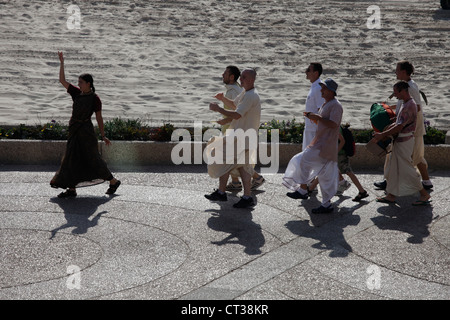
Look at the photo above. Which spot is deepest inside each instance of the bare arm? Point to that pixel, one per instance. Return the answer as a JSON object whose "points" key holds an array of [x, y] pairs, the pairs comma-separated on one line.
{"points": [[390, 131], [62, 76], [228, 102], [316, 118], [227, 113], [224, 121]]}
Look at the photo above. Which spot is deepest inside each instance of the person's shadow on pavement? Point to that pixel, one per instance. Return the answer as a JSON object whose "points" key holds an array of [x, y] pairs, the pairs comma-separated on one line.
{"points": [[238, 223], [78, 212], [329, 237], [415, 222]]}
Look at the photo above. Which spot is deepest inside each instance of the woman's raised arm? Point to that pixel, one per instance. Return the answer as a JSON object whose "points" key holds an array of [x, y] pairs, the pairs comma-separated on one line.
{"points": [[62, 76]]}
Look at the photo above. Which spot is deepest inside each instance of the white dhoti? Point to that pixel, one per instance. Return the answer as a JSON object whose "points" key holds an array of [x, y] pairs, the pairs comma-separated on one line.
{"points": [[307, 165], [226, 154], [308, 136], [401, 176], [418, 155]]}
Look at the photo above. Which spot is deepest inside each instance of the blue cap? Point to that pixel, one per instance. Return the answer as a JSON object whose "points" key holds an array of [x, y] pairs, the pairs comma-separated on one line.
{"points": [[330, 84]]}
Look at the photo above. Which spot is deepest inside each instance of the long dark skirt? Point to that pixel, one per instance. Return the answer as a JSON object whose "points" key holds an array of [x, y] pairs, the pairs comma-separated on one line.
{"points": [[82, 164]]}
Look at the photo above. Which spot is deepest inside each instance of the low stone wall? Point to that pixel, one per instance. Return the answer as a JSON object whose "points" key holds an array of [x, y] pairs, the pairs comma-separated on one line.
{"points": [[136, 153]]}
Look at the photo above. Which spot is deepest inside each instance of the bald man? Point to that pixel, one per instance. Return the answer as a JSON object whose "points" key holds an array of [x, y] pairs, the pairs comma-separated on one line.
{"points": [[245, 116]]}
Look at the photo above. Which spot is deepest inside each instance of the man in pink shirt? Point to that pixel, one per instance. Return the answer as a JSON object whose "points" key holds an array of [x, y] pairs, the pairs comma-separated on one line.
{"points": [[319, 159], [401, 176]]}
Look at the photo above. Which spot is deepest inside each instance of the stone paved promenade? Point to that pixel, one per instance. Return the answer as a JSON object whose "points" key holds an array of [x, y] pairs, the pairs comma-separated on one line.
{"points": [[159, 238]]}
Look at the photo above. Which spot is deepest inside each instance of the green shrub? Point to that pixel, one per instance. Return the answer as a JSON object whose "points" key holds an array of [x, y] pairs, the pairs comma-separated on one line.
{"points": [[135, 129], [289, 131], [120, 129], [434, 136], [49, 131], [163, 133]]}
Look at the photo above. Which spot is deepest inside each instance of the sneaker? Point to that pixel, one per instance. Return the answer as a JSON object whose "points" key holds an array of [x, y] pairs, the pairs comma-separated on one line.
{"points": [[323, 209], [297, 195], [216, 196], [258, 182], [381, 185], [244, 203], [343, 186], [234, 186]]}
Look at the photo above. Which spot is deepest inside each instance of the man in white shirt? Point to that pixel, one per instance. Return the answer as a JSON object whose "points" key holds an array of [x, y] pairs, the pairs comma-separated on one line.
{"points": [[314, 101], [246, 116], [404, 70], [233, 90]]}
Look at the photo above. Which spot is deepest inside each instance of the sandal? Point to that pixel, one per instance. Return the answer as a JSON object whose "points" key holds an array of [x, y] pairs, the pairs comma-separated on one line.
{"points": [[385, 200], [258, 182], [68, 194], [234, 186], [421, 202], [360, 196], [113, 187]]}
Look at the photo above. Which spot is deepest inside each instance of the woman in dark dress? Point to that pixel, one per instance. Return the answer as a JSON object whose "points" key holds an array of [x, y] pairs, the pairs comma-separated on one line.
{"points": [[82, 164]]}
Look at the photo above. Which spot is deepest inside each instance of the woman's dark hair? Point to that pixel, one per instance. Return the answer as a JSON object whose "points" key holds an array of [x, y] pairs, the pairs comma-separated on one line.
{"points": [[88, 78]]}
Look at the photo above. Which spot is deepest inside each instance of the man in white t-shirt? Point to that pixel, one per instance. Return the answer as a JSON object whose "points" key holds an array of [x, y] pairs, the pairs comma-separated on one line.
{"points": [[232, 90], [230, 78], [247, 116], [404, 70]]}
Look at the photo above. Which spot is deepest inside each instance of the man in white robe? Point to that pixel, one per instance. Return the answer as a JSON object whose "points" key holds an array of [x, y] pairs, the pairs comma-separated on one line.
{"points": [[320, 158]]}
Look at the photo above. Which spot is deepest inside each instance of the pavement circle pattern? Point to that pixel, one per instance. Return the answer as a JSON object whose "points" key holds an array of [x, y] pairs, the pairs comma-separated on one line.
{"points": [[147, 243], [110, 254], [112, 251], [32, 256]]}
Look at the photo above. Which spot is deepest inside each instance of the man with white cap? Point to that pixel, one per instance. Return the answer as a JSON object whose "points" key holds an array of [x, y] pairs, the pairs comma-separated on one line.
{"points": [[319, 159]]}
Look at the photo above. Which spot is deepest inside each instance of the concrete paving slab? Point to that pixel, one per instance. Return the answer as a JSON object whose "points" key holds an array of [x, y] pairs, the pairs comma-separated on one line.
{"points": [[159, 238]]}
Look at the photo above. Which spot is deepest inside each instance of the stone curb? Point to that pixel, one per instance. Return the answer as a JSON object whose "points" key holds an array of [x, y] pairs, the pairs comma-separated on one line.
{"points": [[147, 153]]}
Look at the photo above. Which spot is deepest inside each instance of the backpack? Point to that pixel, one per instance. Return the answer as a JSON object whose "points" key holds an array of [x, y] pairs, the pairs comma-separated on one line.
{"points": [[381, 116], [424, 97], [349, 146]]}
